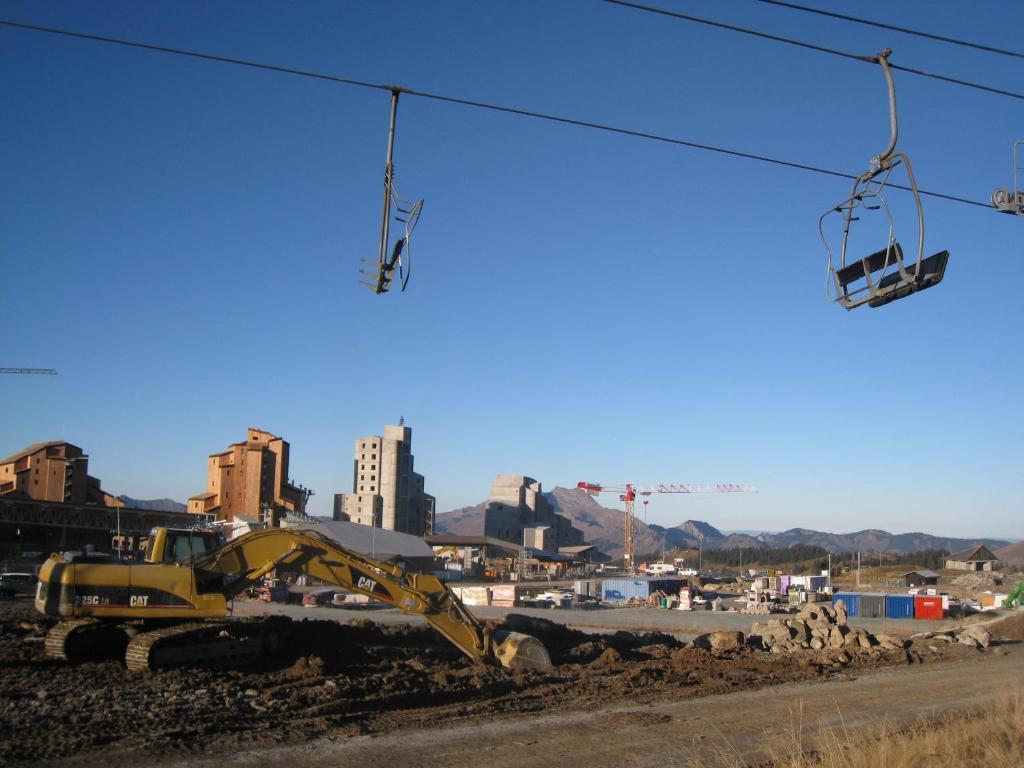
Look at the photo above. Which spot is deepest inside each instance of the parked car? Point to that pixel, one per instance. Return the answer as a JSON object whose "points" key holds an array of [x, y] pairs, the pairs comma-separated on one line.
{"points": [[18, 584]]}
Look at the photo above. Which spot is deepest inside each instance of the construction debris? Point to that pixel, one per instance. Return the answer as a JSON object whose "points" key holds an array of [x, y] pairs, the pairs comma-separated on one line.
{"points": [[818, 626]]}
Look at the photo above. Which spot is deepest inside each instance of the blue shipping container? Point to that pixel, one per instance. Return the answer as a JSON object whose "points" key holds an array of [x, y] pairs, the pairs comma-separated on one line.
{"points": [[850, 599], [899, 606], [621, 590]]}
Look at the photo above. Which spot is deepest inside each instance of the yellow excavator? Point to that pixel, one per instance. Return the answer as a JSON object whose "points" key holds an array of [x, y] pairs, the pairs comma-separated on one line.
{"points": [[154, 610]]}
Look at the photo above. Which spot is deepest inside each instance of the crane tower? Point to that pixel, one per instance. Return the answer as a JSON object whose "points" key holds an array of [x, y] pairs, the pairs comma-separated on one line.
{"points": [[628, 493]]}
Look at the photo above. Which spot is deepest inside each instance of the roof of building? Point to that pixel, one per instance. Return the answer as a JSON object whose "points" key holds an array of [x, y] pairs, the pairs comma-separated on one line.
{"points": [[921, 572], [377, 543], [548, 557], [454, 540], [977, 553], [577, 550], [207, 495], [32, 449]]}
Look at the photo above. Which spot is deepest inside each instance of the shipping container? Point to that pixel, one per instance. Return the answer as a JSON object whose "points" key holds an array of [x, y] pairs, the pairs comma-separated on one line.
{"points": [[928, 607], [899, 606], [850, 599], [814, 583], [872, 605], [505, 595], [622, 590], [585, 587], [473, 595]]}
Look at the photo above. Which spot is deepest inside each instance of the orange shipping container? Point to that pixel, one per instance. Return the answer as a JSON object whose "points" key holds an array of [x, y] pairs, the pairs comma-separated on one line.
{"points": [[926, 607]]}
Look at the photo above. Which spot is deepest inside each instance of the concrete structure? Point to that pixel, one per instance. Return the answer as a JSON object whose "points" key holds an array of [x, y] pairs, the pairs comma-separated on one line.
{"points": [[518, 512], [53, 471], [249, 480], [386, 492], [979, 558]]}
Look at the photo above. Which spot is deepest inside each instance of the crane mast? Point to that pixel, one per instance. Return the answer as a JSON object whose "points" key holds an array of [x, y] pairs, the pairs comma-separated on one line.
{"points": [[629, 491]]}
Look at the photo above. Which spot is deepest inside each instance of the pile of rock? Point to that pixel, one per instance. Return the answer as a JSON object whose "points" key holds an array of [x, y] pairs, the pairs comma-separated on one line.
{"points": [[973, 636], [818, 626]]}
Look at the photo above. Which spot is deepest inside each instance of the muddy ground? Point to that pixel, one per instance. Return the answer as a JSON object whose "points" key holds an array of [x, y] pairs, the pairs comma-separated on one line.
{"points": [[360, 678]]}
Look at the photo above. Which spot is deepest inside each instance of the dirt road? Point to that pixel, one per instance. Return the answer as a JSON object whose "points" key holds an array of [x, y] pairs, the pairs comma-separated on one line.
{"points": [[748, 724]]}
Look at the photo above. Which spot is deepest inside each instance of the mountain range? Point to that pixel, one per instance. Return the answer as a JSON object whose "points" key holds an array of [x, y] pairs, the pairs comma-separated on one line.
{"points": [[154, 505], [604, 528]]}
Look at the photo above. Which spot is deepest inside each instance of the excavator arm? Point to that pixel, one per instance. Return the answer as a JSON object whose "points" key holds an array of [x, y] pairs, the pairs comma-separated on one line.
{"points": [[234, 567]]}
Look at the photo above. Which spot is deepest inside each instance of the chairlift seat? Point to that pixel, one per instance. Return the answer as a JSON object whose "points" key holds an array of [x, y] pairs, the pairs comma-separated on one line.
{"points": [[860, 269], [893, 286]]}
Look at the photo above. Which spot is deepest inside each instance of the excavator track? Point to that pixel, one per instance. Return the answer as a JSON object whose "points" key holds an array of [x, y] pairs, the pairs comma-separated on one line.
{"points": [[216, 645], [60, 642]]}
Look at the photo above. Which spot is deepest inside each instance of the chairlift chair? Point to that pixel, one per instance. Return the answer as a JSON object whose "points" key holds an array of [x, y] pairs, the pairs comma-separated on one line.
{"points": [[382, 270], [885, 275], [1012, 201]]}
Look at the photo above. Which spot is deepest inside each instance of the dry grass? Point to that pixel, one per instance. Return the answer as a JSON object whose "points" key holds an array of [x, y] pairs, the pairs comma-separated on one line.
{"points": [[990, 738]]}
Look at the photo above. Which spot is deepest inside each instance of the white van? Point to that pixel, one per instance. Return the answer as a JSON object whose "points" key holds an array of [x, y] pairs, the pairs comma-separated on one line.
{"points": [[661, 569]]}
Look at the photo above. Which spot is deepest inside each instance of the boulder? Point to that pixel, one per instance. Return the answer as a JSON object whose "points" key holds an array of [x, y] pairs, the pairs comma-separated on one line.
{"points": [[889, 642], [726, 641], [801, 632], [840, 610], [817, 643], [980, 635], [775, 631]]}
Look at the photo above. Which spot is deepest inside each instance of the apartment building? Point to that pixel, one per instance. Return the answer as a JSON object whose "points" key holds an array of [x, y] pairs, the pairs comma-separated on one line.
{"points": [[53, 471], [250, 480], [386, 492], [517, 511]]}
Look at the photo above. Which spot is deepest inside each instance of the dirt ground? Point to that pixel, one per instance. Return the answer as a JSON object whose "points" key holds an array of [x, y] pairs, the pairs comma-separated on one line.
{"points": [[359, 679]]}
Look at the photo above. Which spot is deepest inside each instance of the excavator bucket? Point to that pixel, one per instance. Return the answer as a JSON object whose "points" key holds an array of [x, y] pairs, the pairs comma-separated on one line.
{"points": [[518, 651]]}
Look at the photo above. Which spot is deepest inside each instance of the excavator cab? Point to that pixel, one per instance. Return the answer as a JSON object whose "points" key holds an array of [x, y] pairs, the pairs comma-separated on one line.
{"points": [[885, 275], [175, 545]]}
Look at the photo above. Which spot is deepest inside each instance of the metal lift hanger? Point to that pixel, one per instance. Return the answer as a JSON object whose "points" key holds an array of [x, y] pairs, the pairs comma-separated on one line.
{"points": [[1005, 200], [382, 271], [885, 275]]}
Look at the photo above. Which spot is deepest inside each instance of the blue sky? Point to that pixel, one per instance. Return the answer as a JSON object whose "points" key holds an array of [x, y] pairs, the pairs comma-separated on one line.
{"points": [[181, 240]]}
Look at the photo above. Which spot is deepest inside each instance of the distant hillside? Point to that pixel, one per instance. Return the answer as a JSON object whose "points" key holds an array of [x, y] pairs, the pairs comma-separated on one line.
{"points": [[604, 527], [156, 505], [466, 521], [1012, 554]]}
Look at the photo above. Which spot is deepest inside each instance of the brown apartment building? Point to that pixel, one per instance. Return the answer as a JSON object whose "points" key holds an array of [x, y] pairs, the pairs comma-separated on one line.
{"points": [[53, 471], [249, 478]]}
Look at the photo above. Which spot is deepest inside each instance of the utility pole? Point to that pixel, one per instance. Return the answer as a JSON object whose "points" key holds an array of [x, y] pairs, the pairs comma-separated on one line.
{"points": [[858, 570]]}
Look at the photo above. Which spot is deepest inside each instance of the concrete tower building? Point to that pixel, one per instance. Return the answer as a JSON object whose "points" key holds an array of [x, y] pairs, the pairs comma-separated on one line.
{"points": [[518, 512], [386, 492]]}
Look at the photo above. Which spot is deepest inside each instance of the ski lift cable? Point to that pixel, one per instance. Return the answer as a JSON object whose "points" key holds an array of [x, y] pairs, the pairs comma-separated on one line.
{"points": [[811, 46], [894, 28], [477, 104]]}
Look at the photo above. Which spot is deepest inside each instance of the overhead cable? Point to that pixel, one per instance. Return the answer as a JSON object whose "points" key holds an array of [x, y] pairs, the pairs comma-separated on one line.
{"points": [[467, 103], [812, 47], [904, 30]]}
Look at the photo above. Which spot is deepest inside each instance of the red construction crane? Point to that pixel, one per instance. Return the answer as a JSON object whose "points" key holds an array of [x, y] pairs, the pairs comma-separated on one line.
{"points": [[628, 493]]}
